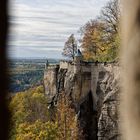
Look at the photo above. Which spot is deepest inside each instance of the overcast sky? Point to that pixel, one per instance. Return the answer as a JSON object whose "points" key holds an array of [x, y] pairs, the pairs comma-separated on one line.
{"points": [[39, 28]]}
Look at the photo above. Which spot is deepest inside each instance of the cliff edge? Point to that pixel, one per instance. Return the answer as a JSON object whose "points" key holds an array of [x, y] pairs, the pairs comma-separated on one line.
{"points": [[94, 91]]}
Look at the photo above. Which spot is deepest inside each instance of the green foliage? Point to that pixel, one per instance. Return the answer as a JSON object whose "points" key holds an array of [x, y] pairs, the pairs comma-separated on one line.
{"points": [[29, 105], [30, 116], [101, 39], [23, 80], [92, 42], [37, 131]]}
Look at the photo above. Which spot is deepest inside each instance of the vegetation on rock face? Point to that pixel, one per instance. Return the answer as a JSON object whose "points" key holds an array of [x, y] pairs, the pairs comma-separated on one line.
{"points": [[31, 118]]}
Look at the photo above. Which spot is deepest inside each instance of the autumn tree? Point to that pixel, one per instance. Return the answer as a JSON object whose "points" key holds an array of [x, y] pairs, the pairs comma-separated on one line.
{"points": [[100, 38], [70, 47], [30, 118], [29, 106], [67, 121], [37, 131], [91, 42], [110, 16]]}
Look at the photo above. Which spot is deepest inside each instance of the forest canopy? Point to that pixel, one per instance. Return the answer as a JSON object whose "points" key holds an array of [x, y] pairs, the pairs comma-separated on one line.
{"points": [[32, 120]]}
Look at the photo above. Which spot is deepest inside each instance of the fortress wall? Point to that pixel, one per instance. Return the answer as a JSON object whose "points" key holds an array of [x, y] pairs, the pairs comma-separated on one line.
{"points": [[86, 68], [64, 64]]}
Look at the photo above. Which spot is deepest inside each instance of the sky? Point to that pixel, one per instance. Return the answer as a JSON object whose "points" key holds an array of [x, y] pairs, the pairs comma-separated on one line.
{"points": [[39, 28]]}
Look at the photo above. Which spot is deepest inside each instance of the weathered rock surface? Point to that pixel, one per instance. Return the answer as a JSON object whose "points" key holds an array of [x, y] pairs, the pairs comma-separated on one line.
{"points": [[108, 91], [94, 91], [50, 80]]}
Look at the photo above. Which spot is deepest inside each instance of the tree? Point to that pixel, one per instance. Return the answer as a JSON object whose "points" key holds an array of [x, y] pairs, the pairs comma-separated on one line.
{"points": [[70, 47], [92, 40], [101, 39], [27, 108], [110, 16], [30, 118], [67, 121], [37, 131]]}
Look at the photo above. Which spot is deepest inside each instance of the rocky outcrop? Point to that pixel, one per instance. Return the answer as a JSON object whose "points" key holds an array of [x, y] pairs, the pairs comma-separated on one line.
{"points": [[61, 80], [93, 90], [50, 82], [108, 93]]}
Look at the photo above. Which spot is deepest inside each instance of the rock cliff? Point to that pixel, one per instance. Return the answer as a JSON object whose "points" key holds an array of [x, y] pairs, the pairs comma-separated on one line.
{"points": [[94, 91], [108, 103]]}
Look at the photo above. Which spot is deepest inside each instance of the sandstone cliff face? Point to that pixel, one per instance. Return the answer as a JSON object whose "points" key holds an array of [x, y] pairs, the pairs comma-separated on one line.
{"points": [[108, 103], [77, 85], [98, 118], [50, 80]]}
